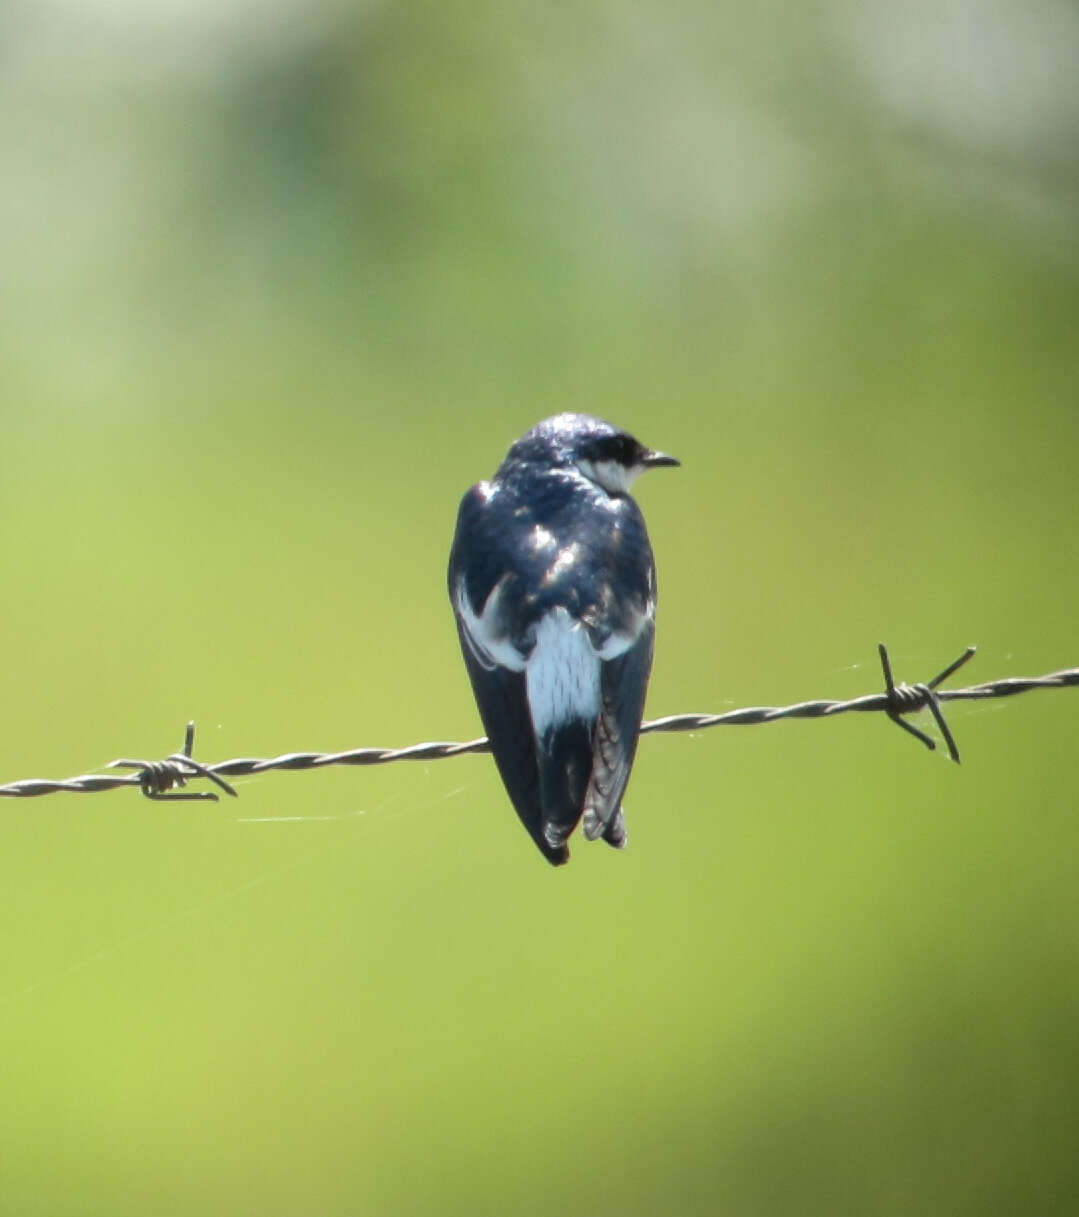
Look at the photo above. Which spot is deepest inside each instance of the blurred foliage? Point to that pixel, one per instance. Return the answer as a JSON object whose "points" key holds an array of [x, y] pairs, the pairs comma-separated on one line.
{"points": [[280, 282]]}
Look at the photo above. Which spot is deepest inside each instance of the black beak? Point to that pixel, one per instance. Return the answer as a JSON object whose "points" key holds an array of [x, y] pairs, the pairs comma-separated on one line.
{"points": [[656, 460]]}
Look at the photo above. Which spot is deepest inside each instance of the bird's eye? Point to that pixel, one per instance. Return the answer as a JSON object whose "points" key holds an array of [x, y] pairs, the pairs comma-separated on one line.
{"points": [[617, 448]]}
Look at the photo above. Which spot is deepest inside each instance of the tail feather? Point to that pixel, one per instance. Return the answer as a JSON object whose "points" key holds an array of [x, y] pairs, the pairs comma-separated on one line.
{"points": [[565, 767]]}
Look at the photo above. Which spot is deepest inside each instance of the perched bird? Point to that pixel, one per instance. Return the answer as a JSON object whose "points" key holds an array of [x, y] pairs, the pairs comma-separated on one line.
{"points": [[553, 586]]}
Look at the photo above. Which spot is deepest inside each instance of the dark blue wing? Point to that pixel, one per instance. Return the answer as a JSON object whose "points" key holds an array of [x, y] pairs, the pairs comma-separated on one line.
{"points": [[477, 564], [503, 705], [623, 684]]}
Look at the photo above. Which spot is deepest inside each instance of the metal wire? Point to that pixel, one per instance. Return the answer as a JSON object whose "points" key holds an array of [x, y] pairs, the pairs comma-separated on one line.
{"points": [[156, 778]]}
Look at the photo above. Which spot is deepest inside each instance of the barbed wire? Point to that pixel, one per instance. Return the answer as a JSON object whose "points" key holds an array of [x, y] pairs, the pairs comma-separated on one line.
{"points": [[157, 778]]}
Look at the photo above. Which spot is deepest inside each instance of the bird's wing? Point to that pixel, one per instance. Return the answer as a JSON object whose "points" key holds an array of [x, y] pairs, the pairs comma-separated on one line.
{"points": [[623, 683], [503, 704], [495, 666]]}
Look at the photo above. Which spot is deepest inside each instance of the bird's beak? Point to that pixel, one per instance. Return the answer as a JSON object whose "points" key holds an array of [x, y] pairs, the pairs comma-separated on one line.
{"points": [[656, 460]]}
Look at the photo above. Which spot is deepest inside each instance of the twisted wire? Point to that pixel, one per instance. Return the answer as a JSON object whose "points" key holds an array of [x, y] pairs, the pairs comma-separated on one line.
{"points": [[157, 779]]}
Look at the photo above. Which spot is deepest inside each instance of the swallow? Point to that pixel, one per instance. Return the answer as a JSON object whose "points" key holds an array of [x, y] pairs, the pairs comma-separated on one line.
{"points": [[553, 586]]}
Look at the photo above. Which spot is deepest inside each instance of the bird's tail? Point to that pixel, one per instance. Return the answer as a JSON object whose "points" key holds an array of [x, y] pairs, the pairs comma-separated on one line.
{"points": [[565, 766]]}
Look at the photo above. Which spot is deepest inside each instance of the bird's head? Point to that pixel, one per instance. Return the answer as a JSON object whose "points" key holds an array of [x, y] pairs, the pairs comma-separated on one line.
{"points": [[599, 451]]}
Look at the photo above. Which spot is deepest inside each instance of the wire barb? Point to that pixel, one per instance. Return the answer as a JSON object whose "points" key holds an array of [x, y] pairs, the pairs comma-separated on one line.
{"points": [[156, 778], [905, 699]]}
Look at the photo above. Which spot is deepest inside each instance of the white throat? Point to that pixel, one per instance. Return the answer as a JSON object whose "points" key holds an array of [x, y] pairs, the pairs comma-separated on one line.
{"points": [[612, 476]]}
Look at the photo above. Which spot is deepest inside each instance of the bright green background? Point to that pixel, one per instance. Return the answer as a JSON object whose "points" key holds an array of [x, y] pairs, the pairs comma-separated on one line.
{"points": [[278, 286]]}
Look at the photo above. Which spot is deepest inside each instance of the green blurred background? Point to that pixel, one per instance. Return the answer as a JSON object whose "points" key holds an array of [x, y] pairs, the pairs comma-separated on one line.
{"points": [[280, 280]]}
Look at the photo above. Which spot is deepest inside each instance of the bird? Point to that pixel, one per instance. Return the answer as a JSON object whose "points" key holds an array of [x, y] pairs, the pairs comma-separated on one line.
{"points": [[553, 586]]}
